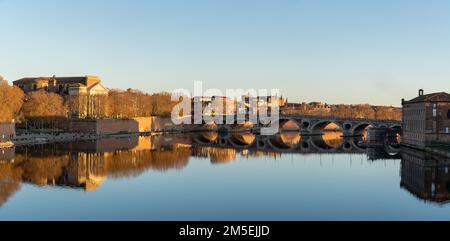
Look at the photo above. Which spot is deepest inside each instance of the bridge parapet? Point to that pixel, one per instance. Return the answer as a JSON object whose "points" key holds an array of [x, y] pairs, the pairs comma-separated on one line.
{"points": [[315, 125]]}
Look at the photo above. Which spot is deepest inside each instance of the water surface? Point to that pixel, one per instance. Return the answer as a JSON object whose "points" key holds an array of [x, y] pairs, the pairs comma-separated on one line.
{"points": [[207, 176]]}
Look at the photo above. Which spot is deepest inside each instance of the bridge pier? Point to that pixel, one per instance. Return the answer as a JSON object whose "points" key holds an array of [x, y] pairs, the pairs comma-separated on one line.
{"points": [[377, 136]]}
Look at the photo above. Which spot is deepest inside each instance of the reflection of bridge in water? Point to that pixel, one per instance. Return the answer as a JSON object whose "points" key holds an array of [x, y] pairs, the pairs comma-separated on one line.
{"points": [[293, 142]]}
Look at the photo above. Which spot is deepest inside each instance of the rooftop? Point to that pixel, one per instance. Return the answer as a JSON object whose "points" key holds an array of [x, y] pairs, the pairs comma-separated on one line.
{"points": [[433, 97]]}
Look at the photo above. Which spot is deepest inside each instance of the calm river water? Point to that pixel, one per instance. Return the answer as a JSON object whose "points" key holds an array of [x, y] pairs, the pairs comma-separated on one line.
{"points": [[207, 176]]}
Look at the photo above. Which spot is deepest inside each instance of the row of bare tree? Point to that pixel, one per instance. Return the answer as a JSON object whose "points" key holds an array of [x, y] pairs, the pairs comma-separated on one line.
{"points": [[353, 111], [15, 105], [117, 104]]}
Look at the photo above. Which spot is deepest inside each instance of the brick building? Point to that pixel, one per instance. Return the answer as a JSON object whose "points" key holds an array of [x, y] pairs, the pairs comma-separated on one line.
{"points": [[426, 120]]}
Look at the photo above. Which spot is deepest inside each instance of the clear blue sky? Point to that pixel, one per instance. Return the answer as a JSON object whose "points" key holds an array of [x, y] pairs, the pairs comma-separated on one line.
{"points": [[346, 51]]}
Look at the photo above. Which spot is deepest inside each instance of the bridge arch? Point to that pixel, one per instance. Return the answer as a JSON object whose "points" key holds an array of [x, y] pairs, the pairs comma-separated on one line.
{"points": [[395, 133], [347, 145], [224, 129], [261, 143], [358, 143], [361, 129], [208, 137], [285, 141], [242, 140], [321, 126], [327, 142], [289, 125], [305, 146], [347, 126], [305, 124]]}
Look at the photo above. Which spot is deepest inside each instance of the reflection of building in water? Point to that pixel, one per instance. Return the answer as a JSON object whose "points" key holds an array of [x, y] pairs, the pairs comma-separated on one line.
{"points": [[426, 177], [381, 153], [86, 170], [217, 155]]}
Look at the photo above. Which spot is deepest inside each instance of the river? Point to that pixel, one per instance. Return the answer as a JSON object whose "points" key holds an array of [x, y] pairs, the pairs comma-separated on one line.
{"points": [[208, 176]]}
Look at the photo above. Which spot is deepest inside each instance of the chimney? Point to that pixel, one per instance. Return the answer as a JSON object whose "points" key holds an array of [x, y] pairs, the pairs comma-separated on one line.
{"points": [[420, 92]]}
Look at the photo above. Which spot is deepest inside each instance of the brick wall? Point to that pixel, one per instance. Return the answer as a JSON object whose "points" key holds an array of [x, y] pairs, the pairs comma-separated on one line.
{"points": [[105, 126], [135, 125], [113, 126], [83, 126], [164, 124], [101, 145], [144, 123]]}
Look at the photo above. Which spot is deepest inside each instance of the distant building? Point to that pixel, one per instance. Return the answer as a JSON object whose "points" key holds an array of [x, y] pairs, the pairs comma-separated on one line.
{"points": [[87, 100], [319, 106], [295, 106], [84, 92], [312, 108], [426, 119], [256, 104], [58, 85], [232, 106]]}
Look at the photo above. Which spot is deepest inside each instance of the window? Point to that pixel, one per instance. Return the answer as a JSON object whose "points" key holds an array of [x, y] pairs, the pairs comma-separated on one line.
{"points": [[448, 114]]}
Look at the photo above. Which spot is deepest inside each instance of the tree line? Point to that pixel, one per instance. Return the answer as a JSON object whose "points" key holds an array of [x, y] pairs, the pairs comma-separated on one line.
{"points": [[133, 103], [352, 111], [18, 106]]}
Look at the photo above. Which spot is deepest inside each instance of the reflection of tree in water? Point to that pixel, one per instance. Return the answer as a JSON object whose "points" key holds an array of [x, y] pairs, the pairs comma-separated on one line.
{"points": [[256, 153], [10, 179], [84, 169], [125, 163], [41, 170], [222, 155]]}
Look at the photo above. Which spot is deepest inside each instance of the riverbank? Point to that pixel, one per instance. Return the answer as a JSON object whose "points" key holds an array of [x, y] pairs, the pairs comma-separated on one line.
{"points": [[46, 138]]}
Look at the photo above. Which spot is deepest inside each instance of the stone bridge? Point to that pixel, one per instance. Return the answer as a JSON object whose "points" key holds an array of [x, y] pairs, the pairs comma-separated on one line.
{"points": [[317, 125]]}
